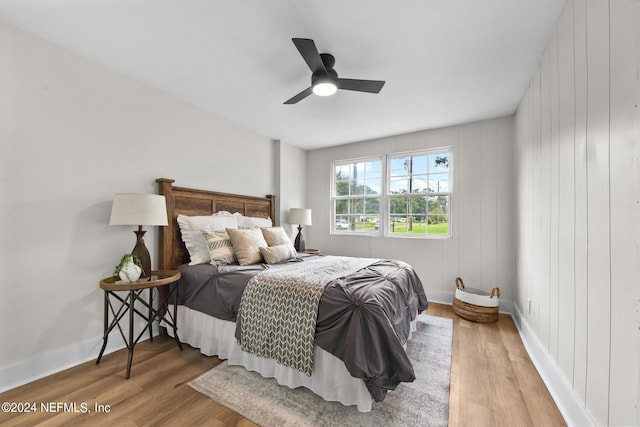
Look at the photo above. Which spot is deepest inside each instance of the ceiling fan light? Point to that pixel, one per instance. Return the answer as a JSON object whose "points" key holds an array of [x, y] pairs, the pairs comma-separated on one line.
{"points": [[324, 88]]}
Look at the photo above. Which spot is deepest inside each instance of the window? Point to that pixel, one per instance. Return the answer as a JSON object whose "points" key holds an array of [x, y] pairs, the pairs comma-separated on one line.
{"points": [[356, 195], [418, 194], [400, 195]]}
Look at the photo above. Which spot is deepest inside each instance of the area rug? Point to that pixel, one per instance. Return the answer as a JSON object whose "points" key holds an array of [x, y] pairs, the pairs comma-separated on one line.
{"points": [[424, 402]]}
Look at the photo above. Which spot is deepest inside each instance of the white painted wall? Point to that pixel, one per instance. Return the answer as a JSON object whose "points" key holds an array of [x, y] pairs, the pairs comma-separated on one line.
{"points": [[292, 179], [577, 162], [73, 133], [481, 250]]}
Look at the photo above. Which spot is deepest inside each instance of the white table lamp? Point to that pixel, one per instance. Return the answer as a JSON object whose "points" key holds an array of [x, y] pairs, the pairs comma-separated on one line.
{"points": [[301, 217], [139, 209]]}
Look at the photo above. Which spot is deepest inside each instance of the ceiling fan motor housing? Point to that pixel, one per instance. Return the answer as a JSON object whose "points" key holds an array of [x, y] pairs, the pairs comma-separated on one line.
{"points": [[330, 76]]}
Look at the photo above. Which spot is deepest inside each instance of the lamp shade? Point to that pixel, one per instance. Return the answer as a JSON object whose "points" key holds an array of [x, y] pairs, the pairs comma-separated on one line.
{"points": [[300, 216], [138, 209]]}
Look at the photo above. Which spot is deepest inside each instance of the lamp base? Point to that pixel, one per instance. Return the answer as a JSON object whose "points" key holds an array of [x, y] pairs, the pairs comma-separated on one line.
{"points": [[140, 250], [299, 242]]}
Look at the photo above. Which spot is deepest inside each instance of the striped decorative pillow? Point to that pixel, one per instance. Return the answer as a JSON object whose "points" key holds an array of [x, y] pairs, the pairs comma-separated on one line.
{"points": [[220, 248]]}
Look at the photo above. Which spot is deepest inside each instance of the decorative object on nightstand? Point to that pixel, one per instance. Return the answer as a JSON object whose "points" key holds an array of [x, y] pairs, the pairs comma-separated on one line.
{"points": [[139, 209], [300, 216], [129, 269]]}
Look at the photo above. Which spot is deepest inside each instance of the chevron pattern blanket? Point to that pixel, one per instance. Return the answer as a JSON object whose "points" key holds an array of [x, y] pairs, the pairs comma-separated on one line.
{"points": [[279, 308]]}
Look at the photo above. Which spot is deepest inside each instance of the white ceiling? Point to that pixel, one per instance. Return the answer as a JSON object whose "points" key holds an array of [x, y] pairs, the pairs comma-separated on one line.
{"points": [[445, 62]]}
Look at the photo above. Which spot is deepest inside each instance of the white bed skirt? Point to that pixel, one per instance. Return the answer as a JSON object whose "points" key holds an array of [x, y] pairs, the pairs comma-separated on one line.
{"points": [[330, 378]]}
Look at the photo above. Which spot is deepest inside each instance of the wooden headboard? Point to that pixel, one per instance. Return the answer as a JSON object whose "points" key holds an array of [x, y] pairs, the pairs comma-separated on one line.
{"points": [[192, 202]]}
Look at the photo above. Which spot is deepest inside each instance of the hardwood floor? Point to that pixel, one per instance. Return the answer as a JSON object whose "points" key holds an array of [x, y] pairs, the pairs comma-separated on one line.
{"points": [[493, 383]]}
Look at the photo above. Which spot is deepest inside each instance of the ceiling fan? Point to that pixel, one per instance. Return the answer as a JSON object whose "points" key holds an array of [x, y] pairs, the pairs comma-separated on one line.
{"points": [[324, 79]]}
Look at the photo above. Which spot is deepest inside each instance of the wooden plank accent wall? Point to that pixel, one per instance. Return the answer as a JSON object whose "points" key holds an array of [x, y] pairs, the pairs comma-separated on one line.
{"points": [[624, 60], [577, 159]]}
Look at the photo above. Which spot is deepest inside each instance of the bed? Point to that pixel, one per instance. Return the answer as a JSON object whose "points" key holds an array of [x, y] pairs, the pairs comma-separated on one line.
{"points": [[365, 312]]}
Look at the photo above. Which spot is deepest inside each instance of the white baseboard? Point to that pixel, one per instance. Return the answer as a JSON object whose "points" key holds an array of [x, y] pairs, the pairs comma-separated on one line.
{"points": [[49, 363], [573, 411], [442, 297]]}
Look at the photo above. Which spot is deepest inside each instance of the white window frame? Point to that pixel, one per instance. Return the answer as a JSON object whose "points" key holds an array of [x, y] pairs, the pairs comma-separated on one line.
{"points": [[384, 195], [388, 195], [379, 196]]}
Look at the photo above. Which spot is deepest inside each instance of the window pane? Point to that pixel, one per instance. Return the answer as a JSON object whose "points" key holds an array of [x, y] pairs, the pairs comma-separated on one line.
{"points": [[414, 176], [419, 205], [397, 224], [419, 184], [372, 207], [342, 188], [373, 169], [356, 206], [342, 223], [419, 165], [355, 182], [416, 224], [439, 182], [343, 172], [438, 205], [342, 207], [366, 223], [357, 188], [408, 215], [372, 185], [398, 185], [398, 206], [412, 224], [438, 225], [399, 166]]}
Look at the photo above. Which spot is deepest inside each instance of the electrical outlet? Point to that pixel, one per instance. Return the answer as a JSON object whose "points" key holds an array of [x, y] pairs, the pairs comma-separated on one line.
{"points": [[529, 302]]}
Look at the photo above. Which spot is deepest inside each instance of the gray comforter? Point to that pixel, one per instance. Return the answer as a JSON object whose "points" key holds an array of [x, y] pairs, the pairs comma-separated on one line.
{"points": [[363, 318]]}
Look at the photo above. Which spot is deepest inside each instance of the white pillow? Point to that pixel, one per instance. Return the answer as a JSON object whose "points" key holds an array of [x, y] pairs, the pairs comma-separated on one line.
{"points": [[251, 221], [192, 227]]}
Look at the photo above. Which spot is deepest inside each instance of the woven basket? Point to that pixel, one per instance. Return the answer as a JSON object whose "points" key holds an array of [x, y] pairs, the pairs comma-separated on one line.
{"points": [[474, 304]]}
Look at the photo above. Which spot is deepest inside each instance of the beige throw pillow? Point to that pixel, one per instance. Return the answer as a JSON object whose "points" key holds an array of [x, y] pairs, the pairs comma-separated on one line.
{"points": [[275, 236], [278, 253], [246, 244]]}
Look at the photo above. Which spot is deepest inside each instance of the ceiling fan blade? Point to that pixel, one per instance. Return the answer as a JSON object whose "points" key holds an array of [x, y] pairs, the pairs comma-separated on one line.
{"points": [[371, 86], [299, 97], [309, 52]]}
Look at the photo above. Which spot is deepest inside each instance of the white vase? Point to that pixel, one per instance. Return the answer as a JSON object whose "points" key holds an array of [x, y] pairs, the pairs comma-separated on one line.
{"points": [[130, 272]]}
